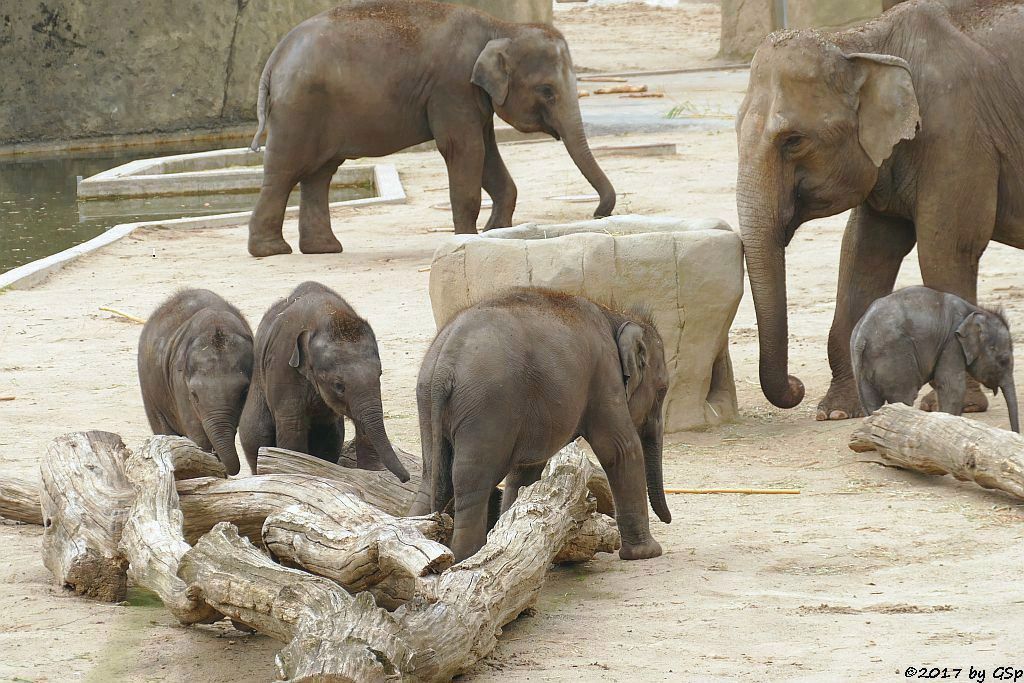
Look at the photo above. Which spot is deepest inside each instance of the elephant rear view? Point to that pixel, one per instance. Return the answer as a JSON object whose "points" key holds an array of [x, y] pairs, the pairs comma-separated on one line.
{"points": [[372, 77], [316, 363], [195, 363], [514, 378]]}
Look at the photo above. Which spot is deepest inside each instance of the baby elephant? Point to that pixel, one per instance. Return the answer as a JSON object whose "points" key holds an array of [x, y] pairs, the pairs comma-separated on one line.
{"points": [[513, 379], [316, 363], [918, 335], [195, 362]]}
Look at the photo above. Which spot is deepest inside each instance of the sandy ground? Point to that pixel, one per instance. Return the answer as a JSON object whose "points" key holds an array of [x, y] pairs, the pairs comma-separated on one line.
{"points": [[868, 571]]}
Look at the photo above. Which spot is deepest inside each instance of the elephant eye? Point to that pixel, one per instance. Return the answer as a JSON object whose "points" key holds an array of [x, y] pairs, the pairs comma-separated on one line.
{"points": [[339, 386], [792, 143], [547, 92]]}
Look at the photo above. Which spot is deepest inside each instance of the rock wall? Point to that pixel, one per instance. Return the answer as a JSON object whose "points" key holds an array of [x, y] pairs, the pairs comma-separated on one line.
{"points": [[82, 68], [689, 273]]}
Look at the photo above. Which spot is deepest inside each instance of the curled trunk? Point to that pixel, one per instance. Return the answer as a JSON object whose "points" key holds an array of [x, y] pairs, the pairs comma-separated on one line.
{"points": [[572, 134], [370, 415], [220, 430]]}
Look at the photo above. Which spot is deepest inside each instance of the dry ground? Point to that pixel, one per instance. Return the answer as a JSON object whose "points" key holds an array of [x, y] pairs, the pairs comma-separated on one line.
{"points": [[869, 571]]}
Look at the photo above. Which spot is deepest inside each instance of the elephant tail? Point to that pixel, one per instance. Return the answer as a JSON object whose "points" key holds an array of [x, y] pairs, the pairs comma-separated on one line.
{"points": [[441, 447], [263, 102]]}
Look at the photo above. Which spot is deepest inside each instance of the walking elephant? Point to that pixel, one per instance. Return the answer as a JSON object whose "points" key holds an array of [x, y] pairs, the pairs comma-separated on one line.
{"points": [[372, 77], [913, 121]]}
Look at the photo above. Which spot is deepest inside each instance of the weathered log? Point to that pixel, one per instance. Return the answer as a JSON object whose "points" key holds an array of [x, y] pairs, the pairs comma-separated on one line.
{"points": [[85, 499], [597, 534], [153, 542], [378, 487], [19, 500], [361, 547], [938, 443], [333, 636]]}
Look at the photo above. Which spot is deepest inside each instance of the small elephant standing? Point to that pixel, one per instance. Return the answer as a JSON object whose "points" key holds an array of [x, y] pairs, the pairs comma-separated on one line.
{"points": [[512, 379], [316, 363], [373, 77], [918, 335], [195, 363]]}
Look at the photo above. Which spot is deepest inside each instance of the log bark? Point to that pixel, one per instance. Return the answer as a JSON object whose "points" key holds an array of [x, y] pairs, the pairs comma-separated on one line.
{"points": [[19, 500], [378, 487], [153, 541], [85, 500], [938, 443]]}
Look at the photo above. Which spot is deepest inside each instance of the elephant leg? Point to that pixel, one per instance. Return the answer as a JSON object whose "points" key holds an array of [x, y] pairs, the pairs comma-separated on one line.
{"points": [[618, 449], [498, 183], [158, 423], [292, 433], [266, 222], [476, 470], [256, 427], [325, 441], [873, 249], [870, 399], [421, 504], [516, 479], [198, 437], [460, 140], [315, 235], [950, 380]]}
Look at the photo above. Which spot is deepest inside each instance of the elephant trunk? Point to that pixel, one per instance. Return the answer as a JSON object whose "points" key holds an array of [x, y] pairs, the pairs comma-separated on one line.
{"points": [[570, 129], [652, 444], [1010, 394], [763, 228], [220, 429], [369, 412]]}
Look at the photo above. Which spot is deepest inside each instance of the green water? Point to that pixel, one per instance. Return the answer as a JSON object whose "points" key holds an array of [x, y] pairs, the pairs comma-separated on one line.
{"points": [[40, 214]]}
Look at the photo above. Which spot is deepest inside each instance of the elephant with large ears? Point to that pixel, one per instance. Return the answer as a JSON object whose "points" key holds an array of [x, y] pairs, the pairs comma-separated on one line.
{"points": [[913, 121], [316, 363], [918, 335], [509, 381], [195, 363], [372, 77]]}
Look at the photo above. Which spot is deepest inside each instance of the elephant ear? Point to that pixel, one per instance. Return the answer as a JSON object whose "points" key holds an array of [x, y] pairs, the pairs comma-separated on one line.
{"points": [[491, 70], [887, 111], [632, 355], [971, 335], [300, 353]]}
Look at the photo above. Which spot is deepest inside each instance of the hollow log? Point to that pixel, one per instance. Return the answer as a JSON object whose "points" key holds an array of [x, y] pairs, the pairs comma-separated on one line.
{"points": [[378, 487], [332, 636], [153, 541], [85, 499], [19, 500], [939, 443]]}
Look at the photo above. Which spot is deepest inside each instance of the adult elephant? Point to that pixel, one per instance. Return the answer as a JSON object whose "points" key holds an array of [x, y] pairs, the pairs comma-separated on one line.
{"points": [[372, 77], [914, 121]]}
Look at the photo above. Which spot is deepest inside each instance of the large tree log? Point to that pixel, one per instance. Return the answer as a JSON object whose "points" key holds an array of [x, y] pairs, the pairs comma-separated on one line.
{"points": [[938, 443], [153, 542], [85, 499], [19, 500]]}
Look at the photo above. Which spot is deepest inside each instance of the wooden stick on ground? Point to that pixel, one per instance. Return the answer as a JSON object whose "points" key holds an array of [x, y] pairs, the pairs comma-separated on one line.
{"points": [[19, 500], [938, 443], [85, 499], [126, 316], [743, 491]]}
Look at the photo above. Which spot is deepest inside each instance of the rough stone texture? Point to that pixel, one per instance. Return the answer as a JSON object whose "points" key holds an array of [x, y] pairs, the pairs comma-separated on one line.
{"points": [[830, 14], [745, 23], [689, 272], [80, 68]]}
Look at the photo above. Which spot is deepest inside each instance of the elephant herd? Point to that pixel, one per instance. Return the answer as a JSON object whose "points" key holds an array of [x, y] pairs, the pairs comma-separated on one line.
{"points": [[913, 120]]}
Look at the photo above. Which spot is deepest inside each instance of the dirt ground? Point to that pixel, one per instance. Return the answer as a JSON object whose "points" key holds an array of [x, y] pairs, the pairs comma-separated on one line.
{"points": [[870, 570]]}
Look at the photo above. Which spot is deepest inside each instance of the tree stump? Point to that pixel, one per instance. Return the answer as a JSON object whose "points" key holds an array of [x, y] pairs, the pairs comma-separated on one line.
{"points": [[939, 443], [85, 499], [19, 500]]}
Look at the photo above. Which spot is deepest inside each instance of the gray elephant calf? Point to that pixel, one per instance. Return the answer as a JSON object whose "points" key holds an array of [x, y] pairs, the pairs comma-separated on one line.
{"points": [[918, 335], [512, 379], [195, 363], [316, 363]]}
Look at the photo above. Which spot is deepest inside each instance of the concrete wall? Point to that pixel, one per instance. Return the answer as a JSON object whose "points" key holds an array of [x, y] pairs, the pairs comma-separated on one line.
{"points": [[82, 68]]}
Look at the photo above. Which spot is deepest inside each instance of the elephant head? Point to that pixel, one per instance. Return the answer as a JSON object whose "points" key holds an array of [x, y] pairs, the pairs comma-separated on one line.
{"points": [[531, 84], [217, 369], [340, 358], [814, 128], [642, 356], [988, 350]]}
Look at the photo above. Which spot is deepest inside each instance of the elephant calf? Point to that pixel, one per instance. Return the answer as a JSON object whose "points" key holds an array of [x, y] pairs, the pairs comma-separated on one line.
{"points": [[918, 335], [195, 363], [513, 379], [316, 363]]}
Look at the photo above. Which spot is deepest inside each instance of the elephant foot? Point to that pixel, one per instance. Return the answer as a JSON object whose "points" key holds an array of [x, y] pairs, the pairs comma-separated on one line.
{"points": [[840, 403], [640, 551], [974, 401], [268, 247], [321, 244]]}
